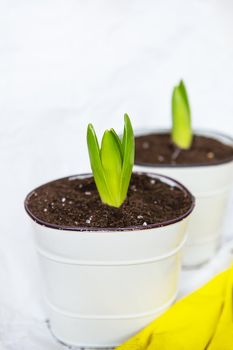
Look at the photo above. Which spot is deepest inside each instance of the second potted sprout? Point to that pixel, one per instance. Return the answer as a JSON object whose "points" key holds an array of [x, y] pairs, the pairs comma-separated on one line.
{"points": [[109, 244], [202, 161]]}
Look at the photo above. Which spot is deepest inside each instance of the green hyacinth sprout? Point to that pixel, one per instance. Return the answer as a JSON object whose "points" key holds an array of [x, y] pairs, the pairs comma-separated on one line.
{"points": [[112, 163], [182, 135]]}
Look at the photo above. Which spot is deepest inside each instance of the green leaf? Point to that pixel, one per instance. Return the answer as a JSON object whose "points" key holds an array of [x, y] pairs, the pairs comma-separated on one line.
{"points": [[185, 96], [181, 127], [112, 163], [128, 148], [118, 141], [96, 165]]}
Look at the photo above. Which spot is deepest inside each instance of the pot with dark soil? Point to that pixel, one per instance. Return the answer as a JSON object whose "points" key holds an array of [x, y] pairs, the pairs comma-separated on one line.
{"points": [[203, 162], [109, 244]]}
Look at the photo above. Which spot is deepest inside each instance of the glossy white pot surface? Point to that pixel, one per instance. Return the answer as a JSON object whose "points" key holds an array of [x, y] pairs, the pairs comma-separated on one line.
{"points": [[101, 287], [211, 185]]}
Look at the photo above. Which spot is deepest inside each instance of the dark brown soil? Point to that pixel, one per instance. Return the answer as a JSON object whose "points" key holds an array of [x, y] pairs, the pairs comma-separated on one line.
{"points": [[158, 149], [74, 203]]}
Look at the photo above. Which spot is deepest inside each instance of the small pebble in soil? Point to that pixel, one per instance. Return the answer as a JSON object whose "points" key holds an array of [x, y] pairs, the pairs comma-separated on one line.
{"points": [[63, 199], [45, 209], [80, 185], [152, 182], [140, 217], [87, 193], [210, 155], [88, 221], [144, 223], [160, 158], [145, 145]]}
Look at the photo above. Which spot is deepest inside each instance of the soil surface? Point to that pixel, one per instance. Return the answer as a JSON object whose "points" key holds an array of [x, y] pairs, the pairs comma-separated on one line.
{"points": [[158, 149], [74, 203]]}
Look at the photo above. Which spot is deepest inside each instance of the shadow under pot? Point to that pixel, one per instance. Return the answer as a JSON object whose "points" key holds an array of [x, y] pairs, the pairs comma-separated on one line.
{"points": [[108, 272], [206, 169]]}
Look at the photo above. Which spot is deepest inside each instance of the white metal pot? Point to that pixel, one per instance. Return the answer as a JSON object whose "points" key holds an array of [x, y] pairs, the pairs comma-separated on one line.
{"points": [[103, 286], [211, 186]]}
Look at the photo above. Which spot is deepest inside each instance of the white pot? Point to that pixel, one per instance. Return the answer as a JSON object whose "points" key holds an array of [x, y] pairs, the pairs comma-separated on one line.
{"points": [[211, 186], [103, 286]]}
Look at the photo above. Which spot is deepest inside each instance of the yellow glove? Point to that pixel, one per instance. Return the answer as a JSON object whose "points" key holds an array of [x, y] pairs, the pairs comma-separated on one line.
{"points": [[202, 320]]}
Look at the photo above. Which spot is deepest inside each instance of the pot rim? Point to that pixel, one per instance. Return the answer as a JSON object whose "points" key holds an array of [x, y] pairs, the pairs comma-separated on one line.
{"points": [[166, 179], [201, 132]]}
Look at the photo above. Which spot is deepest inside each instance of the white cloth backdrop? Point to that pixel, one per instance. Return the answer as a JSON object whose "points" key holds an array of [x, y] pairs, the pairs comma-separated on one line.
{"points": [[66, 63]]}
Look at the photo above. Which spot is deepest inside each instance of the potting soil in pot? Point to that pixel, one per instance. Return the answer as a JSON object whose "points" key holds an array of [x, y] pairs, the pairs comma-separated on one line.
{"points": [[74, 202], [158, 149]]}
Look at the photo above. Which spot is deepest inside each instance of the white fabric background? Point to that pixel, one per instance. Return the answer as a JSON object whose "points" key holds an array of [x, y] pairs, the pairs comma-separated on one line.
{"points": [[66, 63]]}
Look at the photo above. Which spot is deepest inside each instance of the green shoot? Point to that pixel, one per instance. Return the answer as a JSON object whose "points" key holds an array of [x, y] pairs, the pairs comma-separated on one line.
{"points": [[112, 163], [181, 118]]}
